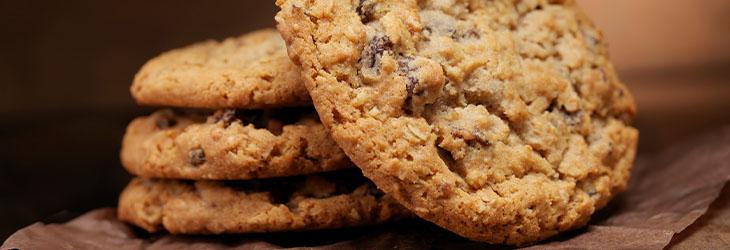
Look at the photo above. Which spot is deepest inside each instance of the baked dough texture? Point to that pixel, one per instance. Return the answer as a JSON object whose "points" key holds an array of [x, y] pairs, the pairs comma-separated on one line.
{"points": [[503, 121], [269, 205], [251, 71], [230, 145]]}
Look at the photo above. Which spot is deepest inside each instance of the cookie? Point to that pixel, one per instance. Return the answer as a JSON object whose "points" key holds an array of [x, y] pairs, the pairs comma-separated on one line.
{"points": [[247, 72], [503, 121], [327, 201], [230, 145]]}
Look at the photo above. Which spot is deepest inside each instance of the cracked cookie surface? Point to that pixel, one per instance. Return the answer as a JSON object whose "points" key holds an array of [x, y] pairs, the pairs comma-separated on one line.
{"points": [[248, 72], [325, 201], [503, 121], [230, 145]]}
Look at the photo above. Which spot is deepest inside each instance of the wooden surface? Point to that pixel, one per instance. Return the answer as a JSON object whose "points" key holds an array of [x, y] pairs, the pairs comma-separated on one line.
{"points": [[65, 70]]}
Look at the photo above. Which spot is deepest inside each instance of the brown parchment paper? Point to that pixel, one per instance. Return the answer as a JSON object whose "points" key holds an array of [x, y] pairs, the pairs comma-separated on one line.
{"points": [[666, 195]]}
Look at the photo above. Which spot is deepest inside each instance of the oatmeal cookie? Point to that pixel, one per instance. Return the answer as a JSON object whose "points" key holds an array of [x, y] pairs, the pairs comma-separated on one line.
{"points": [[324, 201], [247, 72], [503, 121], [230, 145]]}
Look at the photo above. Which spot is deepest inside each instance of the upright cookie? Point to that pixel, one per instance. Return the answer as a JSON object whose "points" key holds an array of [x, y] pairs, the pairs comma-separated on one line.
{"points": [[503, 121], [326, 201], [230, 145], [249, 72]]}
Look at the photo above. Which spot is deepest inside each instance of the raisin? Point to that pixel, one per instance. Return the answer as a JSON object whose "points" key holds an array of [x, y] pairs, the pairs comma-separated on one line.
{"points": [[465, 35], [404, 69], [365, 11], [478, 143], [375, 49], [227, 116], [411, 85], [404, 66], [197, 156]]}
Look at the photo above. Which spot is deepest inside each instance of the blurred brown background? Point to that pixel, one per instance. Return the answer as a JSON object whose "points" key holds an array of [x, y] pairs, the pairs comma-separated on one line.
{"points": [[65, 69]]}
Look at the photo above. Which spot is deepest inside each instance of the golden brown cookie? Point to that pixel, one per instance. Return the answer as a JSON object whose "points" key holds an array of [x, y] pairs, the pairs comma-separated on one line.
{"points": [[502, 121], [248, 72], [332, 200], [230, 145]]}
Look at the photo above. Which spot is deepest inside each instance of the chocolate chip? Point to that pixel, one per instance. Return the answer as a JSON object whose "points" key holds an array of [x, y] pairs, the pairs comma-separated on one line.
{"points": [[375, 49], [365, 11], [197, 156], [165, 122]]}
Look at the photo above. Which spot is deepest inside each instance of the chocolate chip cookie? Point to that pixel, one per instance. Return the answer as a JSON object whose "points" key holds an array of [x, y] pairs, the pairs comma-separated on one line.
{"points": [[503, 121], [326, 201], [248, 72], [230, 145]]}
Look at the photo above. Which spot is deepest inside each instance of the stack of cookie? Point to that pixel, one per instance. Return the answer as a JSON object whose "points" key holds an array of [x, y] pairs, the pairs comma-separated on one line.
{"points": [[241, 150], [503, 121]]}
